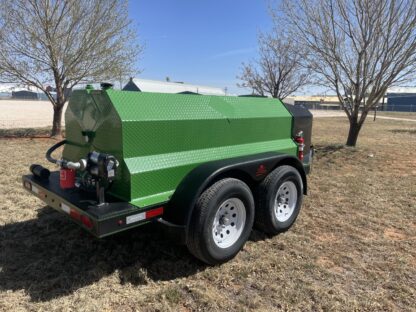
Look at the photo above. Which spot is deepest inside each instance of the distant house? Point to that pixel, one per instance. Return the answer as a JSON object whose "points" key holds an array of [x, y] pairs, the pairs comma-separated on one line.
{"points": [[23, 92], [330, 102], [144, 85], [401, 99], [24, 95], [401, 102]]}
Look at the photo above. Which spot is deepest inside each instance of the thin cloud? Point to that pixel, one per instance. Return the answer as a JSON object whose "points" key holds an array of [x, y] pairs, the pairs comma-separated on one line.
{"points": [[232, 53]]}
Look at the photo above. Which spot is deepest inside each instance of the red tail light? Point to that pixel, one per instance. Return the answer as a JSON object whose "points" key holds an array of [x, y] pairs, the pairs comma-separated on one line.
{"points": [[75, 214], [86, 221], [154, 212], [301, 144]]}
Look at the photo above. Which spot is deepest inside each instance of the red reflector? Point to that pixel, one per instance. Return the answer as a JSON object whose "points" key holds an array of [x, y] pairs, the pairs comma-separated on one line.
{"points": [[154, 212], [86, 221], [75, 214], [300, 141], [261, 170]]}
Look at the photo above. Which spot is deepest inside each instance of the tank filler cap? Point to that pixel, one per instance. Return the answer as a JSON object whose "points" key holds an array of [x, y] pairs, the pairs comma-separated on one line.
{"points": [[106, 85], [88, 135]]}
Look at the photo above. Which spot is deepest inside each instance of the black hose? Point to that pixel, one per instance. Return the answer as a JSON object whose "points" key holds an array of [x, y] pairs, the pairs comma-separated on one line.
{"points": [[52, 149], [40, 172]]}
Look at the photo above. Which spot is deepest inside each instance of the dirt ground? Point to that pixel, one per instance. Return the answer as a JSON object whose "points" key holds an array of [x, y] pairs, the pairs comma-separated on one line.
{"points": [[353, 246], [25, 114]]}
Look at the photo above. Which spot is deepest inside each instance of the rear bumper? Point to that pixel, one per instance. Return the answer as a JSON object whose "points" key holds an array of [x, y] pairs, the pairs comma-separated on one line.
{"points": [[81, 207]]}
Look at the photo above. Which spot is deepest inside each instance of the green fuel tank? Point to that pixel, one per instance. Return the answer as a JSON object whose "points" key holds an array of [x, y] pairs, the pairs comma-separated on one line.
{"points": [[159, 138]]}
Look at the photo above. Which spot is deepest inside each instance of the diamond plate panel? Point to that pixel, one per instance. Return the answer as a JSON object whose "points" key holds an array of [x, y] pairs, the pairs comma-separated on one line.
{"points": [[159, 138]]}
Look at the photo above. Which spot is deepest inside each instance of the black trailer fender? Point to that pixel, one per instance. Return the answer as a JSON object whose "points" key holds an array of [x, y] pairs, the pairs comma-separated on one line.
{"points": [[250, 169]]}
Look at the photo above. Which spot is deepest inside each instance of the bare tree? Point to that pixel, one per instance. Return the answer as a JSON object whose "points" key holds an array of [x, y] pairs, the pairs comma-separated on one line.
{"points": [[64, 42], [279, 69], [358, 48]]}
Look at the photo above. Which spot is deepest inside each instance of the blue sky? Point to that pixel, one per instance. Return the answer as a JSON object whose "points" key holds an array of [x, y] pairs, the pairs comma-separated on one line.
{"points": [[199, 41]]}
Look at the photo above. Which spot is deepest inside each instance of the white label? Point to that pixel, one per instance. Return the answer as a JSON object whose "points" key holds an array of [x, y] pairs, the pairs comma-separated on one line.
{"points": [[35, 189], [136, 218], [65, 208]]}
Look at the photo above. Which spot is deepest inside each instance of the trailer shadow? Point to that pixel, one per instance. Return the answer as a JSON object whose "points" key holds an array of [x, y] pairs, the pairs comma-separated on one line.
{"points": [[50, 257]]}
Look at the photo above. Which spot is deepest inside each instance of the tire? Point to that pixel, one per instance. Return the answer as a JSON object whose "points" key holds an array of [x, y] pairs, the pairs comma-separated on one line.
{"points": [[221, 221], [279, 199]]}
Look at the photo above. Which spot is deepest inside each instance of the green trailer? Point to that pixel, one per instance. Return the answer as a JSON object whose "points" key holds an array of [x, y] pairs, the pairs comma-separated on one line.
{"points": [[207, 166]]}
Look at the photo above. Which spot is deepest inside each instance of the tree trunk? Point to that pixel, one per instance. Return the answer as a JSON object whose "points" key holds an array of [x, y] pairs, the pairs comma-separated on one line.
{"points": [[58, 108], [57, 121], [353, 133]]}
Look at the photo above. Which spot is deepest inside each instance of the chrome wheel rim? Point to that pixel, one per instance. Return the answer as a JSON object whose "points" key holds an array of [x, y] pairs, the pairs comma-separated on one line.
{"points": [[229, 222], [285, 201]]}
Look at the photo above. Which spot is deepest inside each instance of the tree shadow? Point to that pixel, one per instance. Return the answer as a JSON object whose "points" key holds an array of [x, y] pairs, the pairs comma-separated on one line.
{"points": [[328, 150], [406, 131], [50, 256]]}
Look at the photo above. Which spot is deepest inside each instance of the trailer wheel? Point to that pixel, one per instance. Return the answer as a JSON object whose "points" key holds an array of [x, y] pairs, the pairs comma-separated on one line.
{"points": [[221, 221], [279, 200]]}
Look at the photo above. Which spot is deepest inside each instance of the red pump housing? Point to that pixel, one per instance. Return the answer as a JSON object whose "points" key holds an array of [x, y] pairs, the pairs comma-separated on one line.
{"points": [[67, 178]]}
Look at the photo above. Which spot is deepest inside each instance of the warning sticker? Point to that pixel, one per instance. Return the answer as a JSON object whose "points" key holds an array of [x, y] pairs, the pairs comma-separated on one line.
{"points": [[136, 218], [65, 208]]}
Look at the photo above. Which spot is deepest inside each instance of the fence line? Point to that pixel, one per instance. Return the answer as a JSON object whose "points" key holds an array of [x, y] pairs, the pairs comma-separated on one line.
{"points": [[380, 108]]}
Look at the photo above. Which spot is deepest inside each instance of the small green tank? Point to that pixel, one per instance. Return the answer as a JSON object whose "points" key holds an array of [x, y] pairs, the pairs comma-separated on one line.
{"points": [[207, 167], [159, 138]]}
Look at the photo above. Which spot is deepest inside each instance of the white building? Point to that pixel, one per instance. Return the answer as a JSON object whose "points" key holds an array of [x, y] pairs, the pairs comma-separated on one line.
{"points": [[402, 90], [144, 85]]}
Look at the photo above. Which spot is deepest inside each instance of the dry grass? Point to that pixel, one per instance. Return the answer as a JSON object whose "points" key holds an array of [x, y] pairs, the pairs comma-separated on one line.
{"points": [[407, 115], [25, 133], [352, 248]]}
